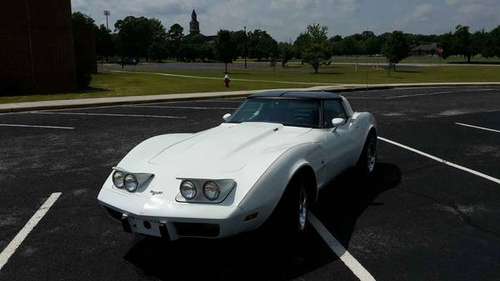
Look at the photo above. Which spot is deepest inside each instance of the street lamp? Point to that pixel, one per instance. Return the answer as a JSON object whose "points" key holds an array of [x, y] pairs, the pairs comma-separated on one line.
{"points": [[107, 13]]}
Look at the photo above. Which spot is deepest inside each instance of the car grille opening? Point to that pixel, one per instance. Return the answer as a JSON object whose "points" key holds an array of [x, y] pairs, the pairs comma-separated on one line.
{"points": [[197, 229]]}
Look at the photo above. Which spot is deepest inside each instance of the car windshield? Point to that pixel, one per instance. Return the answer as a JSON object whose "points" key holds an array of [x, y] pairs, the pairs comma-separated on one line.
{"points": [[289, 112]]}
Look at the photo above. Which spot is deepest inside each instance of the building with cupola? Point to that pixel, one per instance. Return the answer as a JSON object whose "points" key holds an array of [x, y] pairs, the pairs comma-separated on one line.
{"points": [[194, 29]]}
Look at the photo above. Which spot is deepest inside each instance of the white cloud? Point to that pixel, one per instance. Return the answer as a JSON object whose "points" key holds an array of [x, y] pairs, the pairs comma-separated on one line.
{"points": [[285, 19]]}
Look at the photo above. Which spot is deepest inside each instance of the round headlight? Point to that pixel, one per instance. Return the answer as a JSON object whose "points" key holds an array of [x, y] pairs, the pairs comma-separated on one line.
{"points": [[131, 183], [211, 190], [188, 190], [118, 179]]}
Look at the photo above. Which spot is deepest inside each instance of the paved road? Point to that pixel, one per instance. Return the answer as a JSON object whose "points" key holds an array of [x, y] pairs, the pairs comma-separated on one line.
{"points": [[419, 219], [165, 67]]}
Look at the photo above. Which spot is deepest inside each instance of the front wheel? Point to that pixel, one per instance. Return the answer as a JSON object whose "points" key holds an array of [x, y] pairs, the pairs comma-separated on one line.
{"points": [[368, 160], [291, 216]]}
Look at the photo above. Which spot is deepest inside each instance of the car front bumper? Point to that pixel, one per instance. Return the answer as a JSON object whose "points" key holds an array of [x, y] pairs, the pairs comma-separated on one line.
{"points": [[173, 228]]}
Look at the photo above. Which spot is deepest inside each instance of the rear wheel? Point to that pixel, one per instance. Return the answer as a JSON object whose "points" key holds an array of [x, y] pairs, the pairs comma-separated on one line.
{"points": [[368, 160]]}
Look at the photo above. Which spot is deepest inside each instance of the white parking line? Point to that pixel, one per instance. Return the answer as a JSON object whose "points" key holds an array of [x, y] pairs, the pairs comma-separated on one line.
{"points": [[37, 126], [182, 107], [28, 227], [418, 95], [465, 169], [227, 100], [108, 114], [477, 127], [339, 250], [437, 93]]}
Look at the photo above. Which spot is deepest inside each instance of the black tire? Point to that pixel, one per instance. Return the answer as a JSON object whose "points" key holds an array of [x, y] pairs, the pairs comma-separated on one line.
{"points": [[367, 161], [291, 216]]}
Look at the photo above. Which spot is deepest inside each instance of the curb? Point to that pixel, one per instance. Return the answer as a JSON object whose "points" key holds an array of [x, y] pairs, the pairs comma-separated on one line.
{"points": [[91, 102]]}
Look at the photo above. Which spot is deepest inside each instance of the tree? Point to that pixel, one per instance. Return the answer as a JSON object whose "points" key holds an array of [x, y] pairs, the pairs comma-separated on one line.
{"points": [[158, 48], [84, 38], [396, 48], [479, 40], [174, 40], [373, 46], [240, 37], [300, 45], [494, 36], [316, 46], [286, 53], [137, 35], [491, 46], [447, 43], [192, 47], [104, 42], [463, 41], [225, 47], [350, 46], [261, 45]]}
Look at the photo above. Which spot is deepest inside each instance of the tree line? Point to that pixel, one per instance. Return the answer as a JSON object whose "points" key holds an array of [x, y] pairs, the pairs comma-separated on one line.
{"points": [[141, 38]]}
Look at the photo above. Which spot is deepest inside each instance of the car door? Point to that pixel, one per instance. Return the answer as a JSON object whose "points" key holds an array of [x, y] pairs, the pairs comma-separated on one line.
{"points": [[337, 142]]}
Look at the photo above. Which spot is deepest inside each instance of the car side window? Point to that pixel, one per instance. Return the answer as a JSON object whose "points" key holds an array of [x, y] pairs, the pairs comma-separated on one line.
{"points": [[332, 109]]}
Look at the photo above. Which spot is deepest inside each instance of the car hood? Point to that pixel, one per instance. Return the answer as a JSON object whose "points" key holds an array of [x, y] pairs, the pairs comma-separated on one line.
{"points": [[241, 152], [227, 149]]}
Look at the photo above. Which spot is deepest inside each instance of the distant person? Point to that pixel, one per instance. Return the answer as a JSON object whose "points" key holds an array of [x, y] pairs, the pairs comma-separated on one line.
{"points": [[227, 80]]}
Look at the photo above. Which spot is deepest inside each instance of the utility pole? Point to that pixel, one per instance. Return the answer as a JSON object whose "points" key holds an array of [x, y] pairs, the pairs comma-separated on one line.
{"points": [[107, 13], [246, 50]]}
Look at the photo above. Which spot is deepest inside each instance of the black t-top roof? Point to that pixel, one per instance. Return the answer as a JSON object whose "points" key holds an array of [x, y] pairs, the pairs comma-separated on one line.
{"points": [[317, 95]]}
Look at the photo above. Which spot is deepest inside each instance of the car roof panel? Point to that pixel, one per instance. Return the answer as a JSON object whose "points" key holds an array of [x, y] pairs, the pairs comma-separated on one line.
{"points": [[317, 95]]}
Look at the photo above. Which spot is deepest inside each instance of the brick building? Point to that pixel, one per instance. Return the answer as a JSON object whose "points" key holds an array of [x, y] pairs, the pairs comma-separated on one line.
{"points": [[36, 46]]}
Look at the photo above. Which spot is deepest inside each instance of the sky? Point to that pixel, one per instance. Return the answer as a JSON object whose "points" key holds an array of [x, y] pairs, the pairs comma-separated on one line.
{"points": [[286, 19]]}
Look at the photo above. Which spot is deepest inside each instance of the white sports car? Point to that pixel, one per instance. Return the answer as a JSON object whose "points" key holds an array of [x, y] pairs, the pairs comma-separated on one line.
{"points": [[266, 161]]}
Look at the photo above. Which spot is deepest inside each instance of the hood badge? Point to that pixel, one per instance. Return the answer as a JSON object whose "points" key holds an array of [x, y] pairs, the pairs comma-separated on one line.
{"points": [[154, 193]]}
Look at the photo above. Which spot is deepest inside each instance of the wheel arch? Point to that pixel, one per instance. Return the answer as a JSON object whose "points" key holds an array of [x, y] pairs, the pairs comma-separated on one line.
{"points": [[307, 172], [268, 191]]}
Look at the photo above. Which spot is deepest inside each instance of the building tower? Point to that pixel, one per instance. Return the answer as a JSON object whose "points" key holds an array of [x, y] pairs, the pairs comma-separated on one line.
{"points": [[194, 25]]}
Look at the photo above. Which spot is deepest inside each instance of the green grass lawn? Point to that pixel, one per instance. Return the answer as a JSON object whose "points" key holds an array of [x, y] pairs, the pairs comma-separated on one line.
{"points": [[134, 84], [118, 84], [347, 74]]}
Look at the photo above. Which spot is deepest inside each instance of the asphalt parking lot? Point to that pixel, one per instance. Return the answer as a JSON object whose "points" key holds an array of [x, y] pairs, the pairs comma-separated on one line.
{"points": [[432, 212]]}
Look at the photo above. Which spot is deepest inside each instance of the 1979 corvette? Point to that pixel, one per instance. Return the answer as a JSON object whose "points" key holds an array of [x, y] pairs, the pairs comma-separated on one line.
{"points": [[266, 161]]}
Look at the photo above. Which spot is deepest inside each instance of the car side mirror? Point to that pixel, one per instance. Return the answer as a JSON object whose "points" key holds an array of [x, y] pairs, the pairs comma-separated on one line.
{"points": [[337, 122], [226, 117]]}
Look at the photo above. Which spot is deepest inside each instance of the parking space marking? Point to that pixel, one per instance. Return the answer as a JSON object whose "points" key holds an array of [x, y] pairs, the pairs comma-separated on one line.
{"points": [[195, 101], [28, 227], [437, 93], [36, 126], [108, 114], [339, 250], [451, 164], [477, 127], [79, 108], [182, 107], [418, 95]]}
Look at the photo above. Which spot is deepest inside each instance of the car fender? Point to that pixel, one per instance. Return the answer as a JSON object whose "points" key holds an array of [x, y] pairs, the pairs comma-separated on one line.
{"points": [[265, 194], [366, 122]]}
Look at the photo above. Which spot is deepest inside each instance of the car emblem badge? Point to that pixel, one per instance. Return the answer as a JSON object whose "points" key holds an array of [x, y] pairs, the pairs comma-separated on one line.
{"points": [[156, 192]]}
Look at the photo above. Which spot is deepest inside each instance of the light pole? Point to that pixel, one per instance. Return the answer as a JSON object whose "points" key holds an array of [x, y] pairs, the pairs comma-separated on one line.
{"points": [[245, 50], [107, 13]]}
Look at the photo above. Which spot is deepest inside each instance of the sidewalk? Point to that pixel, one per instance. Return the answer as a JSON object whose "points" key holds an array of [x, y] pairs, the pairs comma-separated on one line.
{"points": [[74, 103]]}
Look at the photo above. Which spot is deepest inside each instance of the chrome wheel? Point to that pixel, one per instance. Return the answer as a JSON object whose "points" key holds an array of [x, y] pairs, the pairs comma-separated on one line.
{"points": [[371, 154], [303, 211]]}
